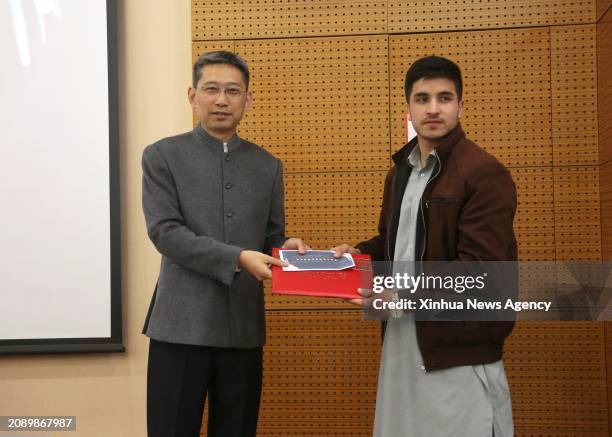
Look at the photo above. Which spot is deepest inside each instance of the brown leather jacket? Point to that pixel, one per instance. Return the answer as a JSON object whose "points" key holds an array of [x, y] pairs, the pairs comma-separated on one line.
{"points": [[466, 214]]}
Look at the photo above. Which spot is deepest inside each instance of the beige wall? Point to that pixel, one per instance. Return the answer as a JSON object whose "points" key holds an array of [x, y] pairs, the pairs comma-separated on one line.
{"points": [[107, 391]]}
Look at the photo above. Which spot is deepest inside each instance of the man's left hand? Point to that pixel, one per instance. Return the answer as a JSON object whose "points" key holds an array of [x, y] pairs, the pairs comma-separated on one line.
{"points": [[367, 299], [296, 244]]}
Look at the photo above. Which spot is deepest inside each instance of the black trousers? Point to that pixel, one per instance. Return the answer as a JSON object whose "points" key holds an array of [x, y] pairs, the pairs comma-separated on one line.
{"points": [[179, 379]]}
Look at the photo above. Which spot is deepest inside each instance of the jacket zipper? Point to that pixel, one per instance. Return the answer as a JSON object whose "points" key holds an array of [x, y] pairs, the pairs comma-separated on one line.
{"points": [[422, 214], [427, 206], [423, 368]]}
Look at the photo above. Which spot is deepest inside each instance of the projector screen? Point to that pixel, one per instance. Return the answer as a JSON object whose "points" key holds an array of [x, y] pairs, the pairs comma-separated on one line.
{"points": [[60, 194]]}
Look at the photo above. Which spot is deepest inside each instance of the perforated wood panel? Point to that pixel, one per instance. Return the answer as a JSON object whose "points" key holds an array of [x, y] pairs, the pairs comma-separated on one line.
{"points": [[605, 184], [200, 47], [604, 69], [320, 374], [430, 16], [574, 95], [332, 110], [604, 76], [577, 216], [604, 86], [534, 223], [328, 208], [321, 105], [557, 378], [507, 89], [242, 19], [574, 116]]}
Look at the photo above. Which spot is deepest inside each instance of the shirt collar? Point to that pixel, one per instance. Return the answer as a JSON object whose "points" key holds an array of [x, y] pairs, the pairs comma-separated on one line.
{"points": [[414, 158], [442, 150]]}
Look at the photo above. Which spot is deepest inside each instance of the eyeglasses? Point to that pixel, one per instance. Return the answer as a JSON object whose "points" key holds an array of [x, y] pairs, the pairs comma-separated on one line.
{"points": [[231, 92]]}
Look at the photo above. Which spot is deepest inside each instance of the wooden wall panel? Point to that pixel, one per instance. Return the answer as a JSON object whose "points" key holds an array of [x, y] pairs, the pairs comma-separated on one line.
{"points": [[557, 378], [604, 86], [534, 222], [433, 16], [250, 19], [332, 110], [329, 209], [602, 7], [506, 91], [577, 213], [604, 103], [321, 373], [574, 95], [605, 186], [604, 68], [321, 104], [200, 47]]}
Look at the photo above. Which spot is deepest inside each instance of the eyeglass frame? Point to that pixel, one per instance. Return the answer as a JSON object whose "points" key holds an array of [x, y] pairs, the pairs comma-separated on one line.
{"points": [[215, 91]]}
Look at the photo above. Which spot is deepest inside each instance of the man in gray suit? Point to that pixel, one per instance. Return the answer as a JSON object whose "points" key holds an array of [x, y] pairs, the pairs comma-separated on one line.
{"points": [[214, 208]]}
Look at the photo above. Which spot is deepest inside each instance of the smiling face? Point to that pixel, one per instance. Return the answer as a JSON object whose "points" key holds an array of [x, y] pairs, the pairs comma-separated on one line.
{"points": [[220, 99], [434, 109]]}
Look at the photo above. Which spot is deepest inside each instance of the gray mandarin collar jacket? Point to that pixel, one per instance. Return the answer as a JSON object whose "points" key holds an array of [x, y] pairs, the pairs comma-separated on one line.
{"points": [[202, 207]]}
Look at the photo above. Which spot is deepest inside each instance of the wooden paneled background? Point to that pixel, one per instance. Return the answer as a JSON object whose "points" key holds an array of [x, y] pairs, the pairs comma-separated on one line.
{"points": [[327, 81], [604, 103]]}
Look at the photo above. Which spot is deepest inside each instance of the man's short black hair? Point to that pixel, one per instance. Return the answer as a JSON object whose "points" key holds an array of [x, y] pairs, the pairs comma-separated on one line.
{"points": [[220, 57], [431, 67]]}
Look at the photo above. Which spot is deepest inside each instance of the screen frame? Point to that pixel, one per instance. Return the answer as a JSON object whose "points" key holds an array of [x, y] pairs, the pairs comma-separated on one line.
{"points": [[114, 343]]}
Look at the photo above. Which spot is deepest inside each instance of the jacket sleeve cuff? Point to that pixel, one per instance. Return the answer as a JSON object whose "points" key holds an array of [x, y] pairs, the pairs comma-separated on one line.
{"points": [[229, 264]]}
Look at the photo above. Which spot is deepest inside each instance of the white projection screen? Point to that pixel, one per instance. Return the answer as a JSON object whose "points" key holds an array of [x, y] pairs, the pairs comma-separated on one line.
{"points": [[60, 242]]}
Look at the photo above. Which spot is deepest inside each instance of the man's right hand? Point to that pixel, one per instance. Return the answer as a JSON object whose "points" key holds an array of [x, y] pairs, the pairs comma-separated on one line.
{"points": [[258, 264], [344, 248]]}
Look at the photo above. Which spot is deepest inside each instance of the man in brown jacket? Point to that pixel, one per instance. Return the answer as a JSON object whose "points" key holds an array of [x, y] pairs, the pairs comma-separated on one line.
{"points": [[445, 199]]}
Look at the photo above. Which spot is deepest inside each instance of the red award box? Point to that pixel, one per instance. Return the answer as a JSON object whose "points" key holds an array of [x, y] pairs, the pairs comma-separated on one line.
{"points": [[324, 283]]}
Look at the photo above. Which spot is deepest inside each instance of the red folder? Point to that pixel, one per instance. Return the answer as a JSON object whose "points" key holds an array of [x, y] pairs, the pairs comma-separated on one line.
{"points": [[337, 283]]}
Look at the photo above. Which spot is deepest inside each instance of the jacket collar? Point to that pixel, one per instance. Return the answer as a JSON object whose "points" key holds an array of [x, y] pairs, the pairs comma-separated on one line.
{"points": [[232, 144], [443, 149]]}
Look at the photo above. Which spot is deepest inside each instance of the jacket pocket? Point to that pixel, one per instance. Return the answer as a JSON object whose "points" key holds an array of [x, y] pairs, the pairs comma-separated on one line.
{"points": [[441, 201]]}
